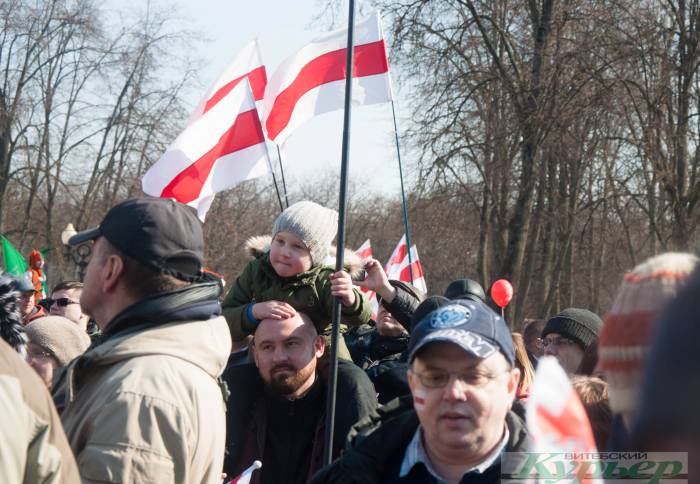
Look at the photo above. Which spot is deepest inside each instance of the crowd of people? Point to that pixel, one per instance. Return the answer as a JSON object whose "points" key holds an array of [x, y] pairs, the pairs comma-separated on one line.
{"points": [[150, 371]]}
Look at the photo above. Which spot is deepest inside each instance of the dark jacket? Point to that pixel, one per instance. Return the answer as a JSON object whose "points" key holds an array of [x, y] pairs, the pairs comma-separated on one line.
{"points": [[379, 443], [251, 411], [383, 358]]}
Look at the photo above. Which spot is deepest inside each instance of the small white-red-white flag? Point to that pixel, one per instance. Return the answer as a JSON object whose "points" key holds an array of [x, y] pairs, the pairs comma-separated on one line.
{"points": [[312, 81], [223, 143], [398, 266], [556, 419], [365, 252], [245, 477]]}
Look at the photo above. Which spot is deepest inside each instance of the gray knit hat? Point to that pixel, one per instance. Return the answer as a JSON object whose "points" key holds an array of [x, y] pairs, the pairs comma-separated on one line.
{"points": [[60, 336], [579, 325], [315, 225]]}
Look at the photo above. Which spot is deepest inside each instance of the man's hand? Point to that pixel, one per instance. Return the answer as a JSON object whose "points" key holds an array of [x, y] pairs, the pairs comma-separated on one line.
{"points": [[273, 310], [341, 287], [377, 281]]}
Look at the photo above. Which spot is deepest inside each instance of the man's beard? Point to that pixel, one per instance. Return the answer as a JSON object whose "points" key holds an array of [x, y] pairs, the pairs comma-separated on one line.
{"points": [[289, 382]]}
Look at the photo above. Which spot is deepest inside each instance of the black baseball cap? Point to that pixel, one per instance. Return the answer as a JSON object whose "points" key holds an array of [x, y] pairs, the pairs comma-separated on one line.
{"points": [[471, 325], [158, 232]]}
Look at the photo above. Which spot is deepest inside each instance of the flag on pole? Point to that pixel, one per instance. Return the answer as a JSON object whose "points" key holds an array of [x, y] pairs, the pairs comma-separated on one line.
{"points": [[12, 259], [223, 143], [247, 474], [398, 266], [247, 64], [556, 418], [312, 81], [365, 252]]}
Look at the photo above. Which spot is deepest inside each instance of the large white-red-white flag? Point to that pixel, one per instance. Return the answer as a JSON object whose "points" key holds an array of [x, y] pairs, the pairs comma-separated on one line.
{"points": [[223, 143], [248, 64], [312, 81], [398, 266]]}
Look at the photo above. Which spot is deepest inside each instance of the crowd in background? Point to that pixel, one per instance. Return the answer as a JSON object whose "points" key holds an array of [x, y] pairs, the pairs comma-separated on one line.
{"points": [[158, 373]]}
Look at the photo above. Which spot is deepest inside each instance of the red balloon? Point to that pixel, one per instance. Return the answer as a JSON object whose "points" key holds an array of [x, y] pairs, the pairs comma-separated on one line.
{"points": [[501, 293]]}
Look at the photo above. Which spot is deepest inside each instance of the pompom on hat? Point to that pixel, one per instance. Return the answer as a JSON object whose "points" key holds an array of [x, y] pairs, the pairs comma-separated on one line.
{"points": [[626, 336], [314, 224]]}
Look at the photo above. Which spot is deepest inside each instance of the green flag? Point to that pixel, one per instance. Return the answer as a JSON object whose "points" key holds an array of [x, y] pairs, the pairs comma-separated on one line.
{"points": [[13, 260]]}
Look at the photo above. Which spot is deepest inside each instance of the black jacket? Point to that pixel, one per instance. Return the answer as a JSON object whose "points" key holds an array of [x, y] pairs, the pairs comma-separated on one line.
{"points": [[404, 304], [248, 422], [379, 444]]}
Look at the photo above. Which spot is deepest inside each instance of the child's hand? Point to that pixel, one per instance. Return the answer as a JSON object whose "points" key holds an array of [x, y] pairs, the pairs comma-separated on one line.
{"points": [[273, 310], [341, 287], [377, 281]]}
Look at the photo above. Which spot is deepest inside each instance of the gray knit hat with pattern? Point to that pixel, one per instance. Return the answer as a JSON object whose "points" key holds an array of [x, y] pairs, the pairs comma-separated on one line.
{"points": [[315, 225]]}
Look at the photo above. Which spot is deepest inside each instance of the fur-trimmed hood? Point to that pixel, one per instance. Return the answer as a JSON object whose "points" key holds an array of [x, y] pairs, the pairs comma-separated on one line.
{"points": [[353, 263]]}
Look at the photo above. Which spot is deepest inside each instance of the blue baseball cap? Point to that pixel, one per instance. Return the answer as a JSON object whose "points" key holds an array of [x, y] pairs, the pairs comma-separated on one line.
{"points": [[471, 325]]}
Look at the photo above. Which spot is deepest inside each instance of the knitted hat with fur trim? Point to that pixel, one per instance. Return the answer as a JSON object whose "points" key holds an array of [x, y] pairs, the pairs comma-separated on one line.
{"points": [[314, 224]]}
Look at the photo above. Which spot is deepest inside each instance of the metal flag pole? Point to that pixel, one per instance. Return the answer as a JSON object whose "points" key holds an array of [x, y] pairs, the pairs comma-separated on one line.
{"points": [[403, 193], [274, 178], [284, 182], [339, 258]]}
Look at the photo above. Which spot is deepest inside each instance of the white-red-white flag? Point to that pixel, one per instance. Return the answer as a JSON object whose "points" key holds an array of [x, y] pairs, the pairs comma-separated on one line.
{"points": [[312, 81], [398, 266], [223, 143], [556, 419], [248, 64], [247, 474], [365, 252]]}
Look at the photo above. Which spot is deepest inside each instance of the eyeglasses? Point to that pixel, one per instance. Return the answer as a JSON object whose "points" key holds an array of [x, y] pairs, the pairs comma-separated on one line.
{"points": [[555, 342], [61, 301], [440, 378]]}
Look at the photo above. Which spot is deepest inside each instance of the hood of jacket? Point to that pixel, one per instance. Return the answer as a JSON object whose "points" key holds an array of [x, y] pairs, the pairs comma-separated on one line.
{"points": [[168, 324], [259, 245]]}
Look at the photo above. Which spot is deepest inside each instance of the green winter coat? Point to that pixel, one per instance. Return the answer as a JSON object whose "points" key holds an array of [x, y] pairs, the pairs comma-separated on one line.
{"points": [[308, 292]]}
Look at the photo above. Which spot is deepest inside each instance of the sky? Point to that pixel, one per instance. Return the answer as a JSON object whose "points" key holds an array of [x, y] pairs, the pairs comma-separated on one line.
{"points": [[283, 27]]}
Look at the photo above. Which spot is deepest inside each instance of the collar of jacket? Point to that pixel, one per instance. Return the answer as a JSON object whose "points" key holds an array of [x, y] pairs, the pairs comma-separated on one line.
{"points": [[193, 302], [379, 437], [300, 279]]}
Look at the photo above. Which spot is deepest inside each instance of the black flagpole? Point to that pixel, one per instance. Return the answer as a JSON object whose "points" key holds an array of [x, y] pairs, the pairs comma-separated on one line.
{"points": [[339, 259], [284, 182]]}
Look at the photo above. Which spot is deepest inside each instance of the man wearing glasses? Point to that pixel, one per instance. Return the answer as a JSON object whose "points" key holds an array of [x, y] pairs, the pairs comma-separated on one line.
{"points": [[568, 335], [457, 423], [65, 301]]}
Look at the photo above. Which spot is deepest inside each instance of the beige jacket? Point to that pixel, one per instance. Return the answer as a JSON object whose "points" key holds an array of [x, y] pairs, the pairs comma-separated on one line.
{"points": [[33, 447], [146, 407]]}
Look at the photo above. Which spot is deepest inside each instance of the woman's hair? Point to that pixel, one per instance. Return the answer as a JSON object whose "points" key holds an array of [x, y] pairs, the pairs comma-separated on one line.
{"points": [[593, 393], [522, 362]]}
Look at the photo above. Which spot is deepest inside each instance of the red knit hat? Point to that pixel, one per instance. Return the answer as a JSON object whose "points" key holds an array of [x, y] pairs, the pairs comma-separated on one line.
{"points": [[625, 339]]}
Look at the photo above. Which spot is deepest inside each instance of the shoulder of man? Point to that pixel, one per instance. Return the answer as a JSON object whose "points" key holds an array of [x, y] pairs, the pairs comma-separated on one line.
{"points": [[374, 442]]}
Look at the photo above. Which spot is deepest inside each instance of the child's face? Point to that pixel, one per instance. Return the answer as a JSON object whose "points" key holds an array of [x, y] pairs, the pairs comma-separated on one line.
{"points": [[288, 255]]}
